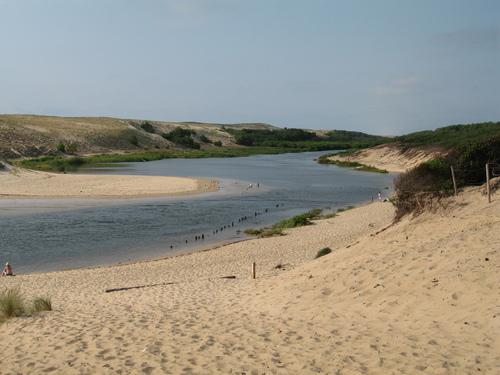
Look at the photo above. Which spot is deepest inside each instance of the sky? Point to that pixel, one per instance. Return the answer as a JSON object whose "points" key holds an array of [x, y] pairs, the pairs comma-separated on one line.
{"points": [[383, 67]]}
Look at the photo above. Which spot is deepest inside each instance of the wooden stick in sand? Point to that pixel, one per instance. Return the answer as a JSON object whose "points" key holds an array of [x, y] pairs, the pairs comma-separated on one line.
{"points": [[453, 178], [488, 190], [134, 287], [253, 270]]}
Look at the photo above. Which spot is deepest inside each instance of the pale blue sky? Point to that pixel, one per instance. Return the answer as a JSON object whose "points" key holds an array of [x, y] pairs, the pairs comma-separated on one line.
{"points": [[386, 66]]}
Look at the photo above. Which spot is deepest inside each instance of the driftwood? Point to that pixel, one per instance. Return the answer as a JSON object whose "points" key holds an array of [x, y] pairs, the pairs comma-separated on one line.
{"points": [[135, 287], [228, 277]]}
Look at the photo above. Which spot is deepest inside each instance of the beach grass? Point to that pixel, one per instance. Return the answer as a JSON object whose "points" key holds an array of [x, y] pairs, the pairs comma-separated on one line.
{"points": [[324, 159], [324, 251], [41, 304], [292, 222], [13, 304]]}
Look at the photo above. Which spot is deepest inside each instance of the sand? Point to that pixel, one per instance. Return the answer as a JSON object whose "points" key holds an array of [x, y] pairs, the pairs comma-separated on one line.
{"points": [[390, 157], [22, 183], [420, 296]]}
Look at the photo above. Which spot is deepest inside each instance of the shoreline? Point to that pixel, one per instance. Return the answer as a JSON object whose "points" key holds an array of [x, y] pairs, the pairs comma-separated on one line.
{"points": [[191, 250]]}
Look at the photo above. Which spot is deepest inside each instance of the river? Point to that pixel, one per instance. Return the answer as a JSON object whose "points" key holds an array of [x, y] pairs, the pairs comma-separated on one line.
{"points": [[52, 234]]}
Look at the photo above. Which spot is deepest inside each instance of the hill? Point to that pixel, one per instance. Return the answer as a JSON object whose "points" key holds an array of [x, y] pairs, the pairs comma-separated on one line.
{"points": [[408, 151], [31, 135], [62, 143]]}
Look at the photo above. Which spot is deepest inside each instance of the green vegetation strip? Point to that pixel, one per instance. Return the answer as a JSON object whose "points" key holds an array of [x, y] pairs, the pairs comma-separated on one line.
{"points": [[292, 222], [324, 159], [63, 163]]}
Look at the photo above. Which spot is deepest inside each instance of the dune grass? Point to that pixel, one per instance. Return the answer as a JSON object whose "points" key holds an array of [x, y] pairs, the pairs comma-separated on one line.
{"points": [[323, 252], [292, 222], [13, 304], [41, 304], [324, 159]]}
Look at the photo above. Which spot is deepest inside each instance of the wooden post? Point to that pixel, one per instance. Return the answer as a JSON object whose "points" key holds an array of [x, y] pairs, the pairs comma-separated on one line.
{"points": [[488, 190], [453, 178], [253, 270]]}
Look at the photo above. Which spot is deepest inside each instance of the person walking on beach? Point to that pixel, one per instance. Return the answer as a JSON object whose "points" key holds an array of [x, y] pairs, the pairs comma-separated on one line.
{"points": [[7, 271], [379, 196]]}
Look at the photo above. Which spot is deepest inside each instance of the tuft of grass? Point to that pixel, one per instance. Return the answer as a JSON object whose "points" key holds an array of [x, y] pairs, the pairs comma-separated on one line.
{"points": [[323, 252], [345, 209], [292, 222], [41, 304], [61, 147], [11, 304], [330, 215]]}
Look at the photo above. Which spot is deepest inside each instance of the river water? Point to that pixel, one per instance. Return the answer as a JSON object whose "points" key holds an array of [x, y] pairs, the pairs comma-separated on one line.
{"points": [[53, 234]]}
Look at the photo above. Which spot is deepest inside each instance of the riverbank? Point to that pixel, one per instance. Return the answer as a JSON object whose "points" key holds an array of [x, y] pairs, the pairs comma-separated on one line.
{"points": [[19, 183], [387, 157], [383, 301]]}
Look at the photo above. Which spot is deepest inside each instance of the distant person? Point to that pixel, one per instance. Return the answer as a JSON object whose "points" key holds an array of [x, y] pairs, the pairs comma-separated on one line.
{"points": [[379, 196], [7, 271]]}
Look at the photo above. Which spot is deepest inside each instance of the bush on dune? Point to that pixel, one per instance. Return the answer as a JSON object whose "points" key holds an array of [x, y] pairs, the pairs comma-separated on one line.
{"points": [[323, 252], [431, 181]]}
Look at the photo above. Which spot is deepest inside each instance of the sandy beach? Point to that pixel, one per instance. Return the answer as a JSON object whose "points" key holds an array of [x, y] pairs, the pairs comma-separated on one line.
{"points": [[418, 296], [33, 184]]}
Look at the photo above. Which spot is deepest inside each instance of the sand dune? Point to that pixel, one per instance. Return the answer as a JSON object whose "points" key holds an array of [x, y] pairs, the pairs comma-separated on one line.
{"points": [[420, 296], [391, 157], [22, 183]]}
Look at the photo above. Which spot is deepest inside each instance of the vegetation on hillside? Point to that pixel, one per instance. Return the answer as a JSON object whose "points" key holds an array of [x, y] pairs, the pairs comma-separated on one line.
{"points": [[451, 136], [325, 159], [432, 180], [64, 163], [299, 138], [182, 137]]}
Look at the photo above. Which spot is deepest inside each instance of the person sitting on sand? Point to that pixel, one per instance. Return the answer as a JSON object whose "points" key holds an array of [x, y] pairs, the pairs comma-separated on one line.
{"points": [[7, 271]]}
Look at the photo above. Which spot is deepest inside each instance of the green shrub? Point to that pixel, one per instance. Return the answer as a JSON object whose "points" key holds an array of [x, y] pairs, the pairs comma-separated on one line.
{"points": [[182, 137], [218, 143], [432, 181], [204, 139], [61, 147], [72, 147], [42, 304], [147, 127], [323, 252], [11, 304], [133, 140], [292, 222]]}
